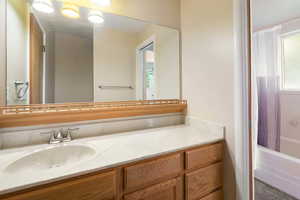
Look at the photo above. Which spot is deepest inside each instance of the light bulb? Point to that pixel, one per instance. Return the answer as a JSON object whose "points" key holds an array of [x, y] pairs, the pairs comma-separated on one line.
{"points": [[70, 10], [96, 17], [43, 6]]}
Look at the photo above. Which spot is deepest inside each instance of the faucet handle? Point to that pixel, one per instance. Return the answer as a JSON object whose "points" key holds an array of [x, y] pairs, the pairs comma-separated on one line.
{"points": [[61, 135], [67, 134], [55, 136]]}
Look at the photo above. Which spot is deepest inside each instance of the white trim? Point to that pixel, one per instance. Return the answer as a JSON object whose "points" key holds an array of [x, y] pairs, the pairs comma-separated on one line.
{"points": [[285, 176], [242, 126], [146, 42], [282, 62], [290, 33]]}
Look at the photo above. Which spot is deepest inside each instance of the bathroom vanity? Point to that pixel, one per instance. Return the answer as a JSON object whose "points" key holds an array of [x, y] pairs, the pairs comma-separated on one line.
{"points": [[187, 164], [118, 82]]}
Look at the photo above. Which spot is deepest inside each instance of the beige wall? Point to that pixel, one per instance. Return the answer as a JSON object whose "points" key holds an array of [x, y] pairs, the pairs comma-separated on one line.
{"points": [[167, 60], [114, 64], [166, 12], [163, 12], [208, 70], [17, 46], [2, 53], [73, 68]]}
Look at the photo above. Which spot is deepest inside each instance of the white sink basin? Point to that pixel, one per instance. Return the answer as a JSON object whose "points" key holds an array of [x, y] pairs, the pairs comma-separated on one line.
{"points": [[60, 156]]}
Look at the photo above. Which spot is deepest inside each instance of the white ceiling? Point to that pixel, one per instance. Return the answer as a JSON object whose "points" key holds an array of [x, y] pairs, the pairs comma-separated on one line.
{"points": [[270, 12], [82, 27]]}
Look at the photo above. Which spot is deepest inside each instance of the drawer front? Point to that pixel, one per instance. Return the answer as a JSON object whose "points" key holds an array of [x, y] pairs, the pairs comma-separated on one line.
{"points": [[97, 187], [218, 195], [147, 173], [203, 181], [169, 190], [204, 156]]}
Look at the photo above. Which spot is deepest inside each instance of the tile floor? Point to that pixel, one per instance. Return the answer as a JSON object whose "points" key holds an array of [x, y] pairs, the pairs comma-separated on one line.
{"points": [[266, 192]]}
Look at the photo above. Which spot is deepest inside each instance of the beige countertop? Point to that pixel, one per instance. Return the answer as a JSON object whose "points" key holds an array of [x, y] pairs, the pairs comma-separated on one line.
{"points": [[110, 151]]}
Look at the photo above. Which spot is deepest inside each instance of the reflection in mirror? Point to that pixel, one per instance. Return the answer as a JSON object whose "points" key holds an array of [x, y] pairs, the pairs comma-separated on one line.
{"points": [[58, 53], [276, 75]]}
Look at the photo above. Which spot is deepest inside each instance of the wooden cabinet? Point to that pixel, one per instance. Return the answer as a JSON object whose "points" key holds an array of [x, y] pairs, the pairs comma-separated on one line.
{"points": [[218, 195], [96, 187], [204, 156], [169, 190], [191, 174], [147, 173], [203, 181]]}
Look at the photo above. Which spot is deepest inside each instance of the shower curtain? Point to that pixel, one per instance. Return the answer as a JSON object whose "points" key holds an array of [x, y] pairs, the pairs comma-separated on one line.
{"points": [[266, 87]]}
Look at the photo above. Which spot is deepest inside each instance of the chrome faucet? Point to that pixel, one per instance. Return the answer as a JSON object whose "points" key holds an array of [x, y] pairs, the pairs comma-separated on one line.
{"points": [[61, 135]]}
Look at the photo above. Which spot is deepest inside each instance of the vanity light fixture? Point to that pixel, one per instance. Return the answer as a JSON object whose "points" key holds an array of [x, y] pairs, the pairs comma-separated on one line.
{"points": [[96, 17], [70, 10], [44, 6], [103, 3]]}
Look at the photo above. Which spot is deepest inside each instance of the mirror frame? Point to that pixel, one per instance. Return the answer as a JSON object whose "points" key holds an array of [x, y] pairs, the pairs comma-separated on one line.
{"points": [[43, 114]]}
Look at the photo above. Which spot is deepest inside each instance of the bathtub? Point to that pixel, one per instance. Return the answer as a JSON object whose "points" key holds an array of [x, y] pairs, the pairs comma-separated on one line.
{"points": [[290, 147], [278, 170]]}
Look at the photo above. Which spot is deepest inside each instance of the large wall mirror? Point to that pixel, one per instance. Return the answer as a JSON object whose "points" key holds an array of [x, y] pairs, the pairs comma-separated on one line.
{"points": [[58, 52]]}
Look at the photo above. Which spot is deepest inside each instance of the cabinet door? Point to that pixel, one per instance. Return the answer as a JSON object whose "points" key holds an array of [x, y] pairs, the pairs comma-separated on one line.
{"points": [[151, 172], [203, 181], [96, 187], [204, 156], [169, 190], [218, 195]]}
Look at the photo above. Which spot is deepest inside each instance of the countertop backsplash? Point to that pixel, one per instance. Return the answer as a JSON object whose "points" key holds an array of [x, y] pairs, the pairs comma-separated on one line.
{"points": [[24, 136]]}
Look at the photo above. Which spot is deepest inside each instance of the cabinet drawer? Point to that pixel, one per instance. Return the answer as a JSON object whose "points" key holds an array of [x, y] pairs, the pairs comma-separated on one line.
{"points": [[169, 190], [96, 187], [218, 195], [203, 181], [147, 173], [204, 156]]}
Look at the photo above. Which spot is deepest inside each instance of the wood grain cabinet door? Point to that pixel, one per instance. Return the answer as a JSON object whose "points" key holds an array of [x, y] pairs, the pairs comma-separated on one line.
{"points": [[204, 156], [152, 172], [203, 181], [169, 190], [217, 195], [36, 61], [96, 187]]}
